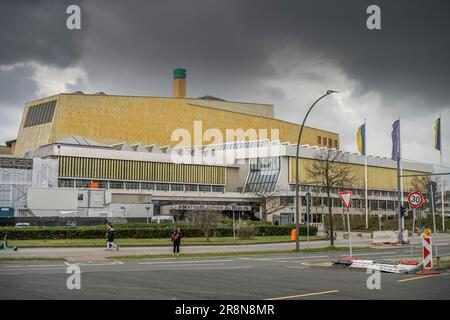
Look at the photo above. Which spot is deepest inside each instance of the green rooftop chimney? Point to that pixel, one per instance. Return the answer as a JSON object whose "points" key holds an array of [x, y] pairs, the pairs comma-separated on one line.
{"points": [[179, 73]]}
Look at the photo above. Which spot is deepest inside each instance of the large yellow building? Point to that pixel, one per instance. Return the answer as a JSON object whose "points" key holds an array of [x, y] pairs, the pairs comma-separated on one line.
{"points": [[122, 144], [153, 120]]}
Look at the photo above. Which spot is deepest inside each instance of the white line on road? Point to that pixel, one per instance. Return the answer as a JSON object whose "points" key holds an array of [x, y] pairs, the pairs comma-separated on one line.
{"points": [[286, 258], [34, 269], [223, 268], [186, 262], [33, 265], [370, 253], [194, 265]]}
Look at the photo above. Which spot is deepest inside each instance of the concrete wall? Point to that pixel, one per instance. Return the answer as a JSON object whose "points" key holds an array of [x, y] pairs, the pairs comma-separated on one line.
{"points": [[52, 199]]}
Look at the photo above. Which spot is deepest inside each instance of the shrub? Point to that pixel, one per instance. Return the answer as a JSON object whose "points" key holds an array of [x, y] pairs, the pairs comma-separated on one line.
{"points": [[245, 230], [151, 231]]}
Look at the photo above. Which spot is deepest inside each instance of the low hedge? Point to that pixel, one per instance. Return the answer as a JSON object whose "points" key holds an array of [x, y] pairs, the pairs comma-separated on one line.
{"points": [[137, 233]]}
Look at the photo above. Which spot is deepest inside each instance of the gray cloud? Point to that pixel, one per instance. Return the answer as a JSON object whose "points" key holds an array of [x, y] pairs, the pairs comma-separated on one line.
{"points": [[35, 31], [229, 49]]}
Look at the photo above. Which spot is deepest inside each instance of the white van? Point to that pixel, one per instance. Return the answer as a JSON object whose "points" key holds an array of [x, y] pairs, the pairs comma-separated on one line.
{"points": [[162, 219]]}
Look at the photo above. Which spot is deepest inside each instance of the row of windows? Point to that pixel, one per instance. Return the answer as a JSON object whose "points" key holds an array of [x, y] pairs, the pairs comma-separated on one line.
{"points": [[112, 169], [133, 185], [327, 142], [40, 113], [359, 192], [381, 205]]}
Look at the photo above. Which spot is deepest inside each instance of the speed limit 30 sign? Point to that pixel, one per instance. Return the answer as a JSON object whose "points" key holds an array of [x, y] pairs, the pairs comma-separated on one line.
{"points": [[415, 199]]}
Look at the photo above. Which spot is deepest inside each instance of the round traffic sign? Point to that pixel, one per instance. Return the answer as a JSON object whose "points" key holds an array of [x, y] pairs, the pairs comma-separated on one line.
{"points": [[415, 199]]}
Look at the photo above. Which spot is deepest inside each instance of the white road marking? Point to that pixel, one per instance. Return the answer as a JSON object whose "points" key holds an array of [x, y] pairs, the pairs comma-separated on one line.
{"points": [[369, 254], [194, 265], [223, 268], [33, 265], [186, 262], [35, 269], [286, 258]]}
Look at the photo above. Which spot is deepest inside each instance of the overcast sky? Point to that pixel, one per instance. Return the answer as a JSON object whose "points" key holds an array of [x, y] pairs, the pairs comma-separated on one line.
{"points": [[286, 53]]}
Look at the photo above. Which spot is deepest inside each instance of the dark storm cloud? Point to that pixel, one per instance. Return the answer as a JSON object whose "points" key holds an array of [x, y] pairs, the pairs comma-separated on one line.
{"points": [[35, 31], [15, 84], [233, 39], [130, 47]]}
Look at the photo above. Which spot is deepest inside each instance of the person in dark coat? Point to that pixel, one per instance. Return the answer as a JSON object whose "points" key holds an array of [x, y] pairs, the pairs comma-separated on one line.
{"points": [[110, 235], [176, 241]]}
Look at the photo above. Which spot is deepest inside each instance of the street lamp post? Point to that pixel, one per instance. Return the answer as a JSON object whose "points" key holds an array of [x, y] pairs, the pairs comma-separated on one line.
{"points": [[297, 214]]}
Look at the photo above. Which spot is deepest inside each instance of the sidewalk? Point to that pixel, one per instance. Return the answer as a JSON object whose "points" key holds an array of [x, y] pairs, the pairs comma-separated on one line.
{"points": [[96, 254]]}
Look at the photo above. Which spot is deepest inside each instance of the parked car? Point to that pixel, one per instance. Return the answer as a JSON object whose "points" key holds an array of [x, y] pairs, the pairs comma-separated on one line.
{"points": [[162, 219], [22, 224]]}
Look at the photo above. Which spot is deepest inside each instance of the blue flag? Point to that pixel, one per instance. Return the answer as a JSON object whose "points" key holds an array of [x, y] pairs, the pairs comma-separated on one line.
{"points": [[396, 140], [437, 134], [361, 139]]}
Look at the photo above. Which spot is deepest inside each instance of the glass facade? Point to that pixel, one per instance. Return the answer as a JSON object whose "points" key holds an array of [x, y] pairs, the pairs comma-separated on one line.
{"points": [[263, 175]]}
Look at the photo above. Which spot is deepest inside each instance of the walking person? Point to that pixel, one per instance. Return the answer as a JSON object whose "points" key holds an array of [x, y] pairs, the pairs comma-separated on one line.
{"points": [[110, 235], [176, 241]]}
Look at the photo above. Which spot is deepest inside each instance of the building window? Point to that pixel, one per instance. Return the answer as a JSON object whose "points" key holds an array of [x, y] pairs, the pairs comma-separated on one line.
{"points": [[330, 143], [66, 183], [132, 185], [116, 185], [204, 188], [263, 175], [39, 114], [335, 144], [191, 187], [162, 187], [218, 189], [324, 141], [176, 187], [147, 186], [102, 184], [319, 141], [83, 184]]}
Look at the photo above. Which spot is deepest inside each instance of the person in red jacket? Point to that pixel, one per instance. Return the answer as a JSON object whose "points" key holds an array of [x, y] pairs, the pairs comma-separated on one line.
{"points": [[176, 241]]}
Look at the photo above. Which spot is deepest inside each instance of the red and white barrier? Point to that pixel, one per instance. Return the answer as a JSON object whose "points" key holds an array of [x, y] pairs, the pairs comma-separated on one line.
{"points": [[427, 253]]}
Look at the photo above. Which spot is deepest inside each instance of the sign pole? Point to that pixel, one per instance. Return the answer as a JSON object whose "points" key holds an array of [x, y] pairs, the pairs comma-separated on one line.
{"points": [[308, 199], [432, 210], [349, 232], [412, 234], [399, 204]]}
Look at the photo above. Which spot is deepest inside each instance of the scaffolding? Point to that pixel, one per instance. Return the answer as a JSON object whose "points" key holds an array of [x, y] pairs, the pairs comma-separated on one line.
{"points": [[15, 178]]}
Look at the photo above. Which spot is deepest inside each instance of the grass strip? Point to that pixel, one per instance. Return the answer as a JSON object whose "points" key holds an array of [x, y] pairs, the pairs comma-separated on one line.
{"points": [[227, 254]]}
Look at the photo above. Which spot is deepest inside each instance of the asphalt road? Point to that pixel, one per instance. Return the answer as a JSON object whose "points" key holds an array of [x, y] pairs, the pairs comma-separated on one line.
{"points": [[282, 277]]}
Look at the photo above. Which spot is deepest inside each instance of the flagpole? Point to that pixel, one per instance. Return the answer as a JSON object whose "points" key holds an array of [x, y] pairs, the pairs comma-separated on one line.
{"points": [[442, 169], [401, 177], [365, 175], [399, 195]]}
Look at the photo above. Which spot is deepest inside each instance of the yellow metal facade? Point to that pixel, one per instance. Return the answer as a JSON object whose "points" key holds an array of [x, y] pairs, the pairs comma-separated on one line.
{"points": [[379, 178], [150, 120], [112, 169]]}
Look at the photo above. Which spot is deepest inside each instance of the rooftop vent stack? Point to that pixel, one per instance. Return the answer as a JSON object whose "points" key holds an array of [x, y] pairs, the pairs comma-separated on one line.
{"points": [[179, 83]]}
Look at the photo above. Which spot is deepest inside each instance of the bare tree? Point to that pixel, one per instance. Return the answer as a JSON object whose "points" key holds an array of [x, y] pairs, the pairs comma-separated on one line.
{"points": [[330, 169], [269, 202], [205, 220]]}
